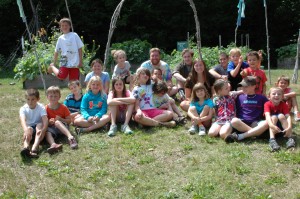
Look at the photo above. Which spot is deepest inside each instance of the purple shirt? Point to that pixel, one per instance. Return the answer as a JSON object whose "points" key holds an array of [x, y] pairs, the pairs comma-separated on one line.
{"points": [[250, 108]]}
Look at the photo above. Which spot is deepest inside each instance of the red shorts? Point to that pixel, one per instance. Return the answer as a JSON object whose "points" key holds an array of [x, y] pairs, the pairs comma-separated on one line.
{"points": [[152, 113], [72, 72]]}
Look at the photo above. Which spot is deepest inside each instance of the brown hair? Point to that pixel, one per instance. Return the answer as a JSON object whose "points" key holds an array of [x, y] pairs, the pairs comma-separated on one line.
{"points": [[53, 90], [154, 50], [32, 92], [138, 72], [65, 20], [114, 80], [187, 50], [284, 78], [198, 86], [74, 82], [219, 84], [194, 76], [160, 86], [97, 61], [253, 53]]}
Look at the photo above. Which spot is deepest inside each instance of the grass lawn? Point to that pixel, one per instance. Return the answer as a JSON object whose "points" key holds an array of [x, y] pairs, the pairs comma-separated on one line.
{"points": [[152, 163]]}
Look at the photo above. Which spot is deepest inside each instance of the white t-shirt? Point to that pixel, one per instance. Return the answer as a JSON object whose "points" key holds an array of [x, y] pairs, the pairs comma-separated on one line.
{"points": [[122, 72], [67, 45], [143, 93], [33, 116]]}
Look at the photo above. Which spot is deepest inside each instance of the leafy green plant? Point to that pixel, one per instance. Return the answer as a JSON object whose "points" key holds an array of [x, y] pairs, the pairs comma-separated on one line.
{"points": [[27, 66], [287, 51], [136, 50]]}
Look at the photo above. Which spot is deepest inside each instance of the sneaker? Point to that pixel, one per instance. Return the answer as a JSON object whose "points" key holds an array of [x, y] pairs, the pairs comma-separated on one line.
{"points": [[290, 143], [193, 129], [126, 129], [202, 130], [229, 138], [235, 136], [25, 152], [112, 131], [297, 116], [54, 148], [73, 143], [274, 146], [169, 124]]}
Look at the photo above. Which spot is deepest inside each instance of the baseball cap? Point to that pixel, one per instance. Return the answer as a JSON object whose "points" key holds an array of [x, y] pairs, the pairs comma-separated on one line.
{"points": [[248, 81]]}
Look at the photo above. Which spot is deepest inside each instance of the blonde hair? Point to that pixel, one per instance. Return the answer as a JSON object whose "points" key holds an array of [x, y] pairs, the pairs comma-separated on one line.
{"points": [[53, 90], [235, 51], [276, 88], [199, 86], [117, 53], [74, 82], [92, 80]]}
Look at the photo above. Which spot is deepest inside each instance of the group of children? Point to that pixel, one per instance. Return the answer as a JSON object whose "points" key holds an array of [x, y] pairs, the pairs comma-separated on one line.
{"points": [[148, 101]]}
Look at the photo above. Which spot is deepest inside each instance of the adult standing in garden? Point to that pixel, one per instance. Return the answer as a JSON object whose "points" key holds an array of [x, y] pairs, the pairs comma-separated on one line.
{"points": [[69, 45], [183, 70], [199, 74]]}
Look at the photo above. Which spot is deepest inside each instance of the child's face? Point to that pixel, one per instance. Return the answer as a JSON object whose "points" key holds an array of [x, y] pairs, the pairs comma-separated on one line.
{"points": [[199, 67], [253, 62], [121, 59], [200, 93], [235, 58], [276, 96], [157, 74], [187, 58], [65, 27], [97, 68], [249, 90], [283, 84], [119, 86], [143, 78], [95, 87], [53, 98], [155, 58], [224, 90], [75, 89], [223, 61], [31, 101]]}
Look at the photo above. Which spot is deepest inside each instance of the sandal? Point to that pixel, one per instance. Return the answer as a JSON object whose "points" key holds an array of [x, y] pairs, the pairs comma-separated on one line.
{"points": [[180, 120], [78, 130], [33, 154]]}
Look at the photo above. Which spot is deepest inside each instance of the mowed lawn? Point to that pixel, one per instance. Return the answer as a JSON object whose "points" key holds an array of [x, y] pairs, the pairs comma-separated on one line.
{"points": [[153, 163]]}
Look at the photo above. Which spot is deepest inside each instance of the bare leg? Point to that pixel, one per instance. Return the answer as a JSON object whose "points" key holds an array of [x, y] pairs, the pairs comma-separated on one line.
{"points": [[63, 129], [164, 117], [146, 121], [53, 69], [225, 130], [39, 136], [284, 124], [214, 130], [128, 113], [175, 107], [27, 137], [103, 120], [184, 105], [294, 104], [113, 114]]}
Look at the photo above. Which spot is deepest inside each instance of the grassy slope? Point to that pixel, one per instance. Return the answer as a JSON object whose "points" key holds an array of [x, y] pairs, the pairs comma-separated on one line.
{"points": [[153, 163]]}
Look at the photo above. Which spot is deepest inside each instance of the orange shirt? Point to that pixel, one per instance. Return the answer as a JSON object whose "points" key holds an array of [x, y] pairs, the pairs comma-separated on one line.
{"points": [[61, 111]]}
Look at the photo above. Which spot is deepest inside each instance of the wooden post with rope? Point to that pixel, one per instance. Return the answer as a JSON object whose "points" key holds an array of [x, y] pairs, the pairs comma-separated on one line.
{"points": [[295, 75]]}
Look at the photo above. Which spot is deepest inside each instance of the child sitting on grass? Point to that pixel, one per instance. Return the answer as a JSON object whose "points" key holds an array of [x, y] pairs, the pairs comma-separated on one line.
{"points": [[162, 100], [200, 110], [278, 118], [93, 107], [59, 118], [34, 122], [73, 100], [289, 95], [157, 76]]}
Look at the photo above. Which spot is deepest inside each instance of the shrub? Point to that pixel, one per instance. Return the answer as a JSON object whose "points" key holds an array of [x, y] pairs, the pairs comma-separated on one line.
{"points": [[287, 51], [27, 66]]}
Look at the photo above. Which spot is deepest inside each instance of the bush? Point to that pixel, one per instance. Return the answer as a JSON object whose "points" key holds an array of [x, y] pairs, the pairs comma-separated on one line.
{"points": [[210, 55], [27, 66], [287, 51], [137, 51]]}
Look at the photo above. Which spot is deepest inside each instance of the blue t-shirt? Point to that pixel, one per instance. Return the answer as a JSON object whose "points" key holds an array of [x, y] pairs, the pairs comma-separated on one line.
{"points": [[104, 77], [199, 107], [72, 104], [234, 81]]}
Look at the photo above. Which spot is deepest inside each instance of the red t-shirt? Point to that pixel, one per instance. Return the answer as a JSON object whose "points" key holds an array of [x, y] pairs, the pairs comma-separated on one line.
{"points": [[261, 78], [61, 111], [269, 107]]}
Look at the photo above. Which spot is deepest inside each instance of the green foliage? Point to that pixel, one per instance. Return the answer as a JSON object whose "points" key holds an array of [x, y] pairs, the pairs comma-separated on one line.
{"points": [[287, 51], [210, 55], [27, 66], [136, 50]]}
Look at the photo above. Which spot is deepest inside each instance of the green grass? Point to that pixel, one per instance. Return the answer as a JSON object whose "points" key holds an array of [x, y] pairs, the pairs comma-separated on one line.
{"points": [[152, 163]]}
